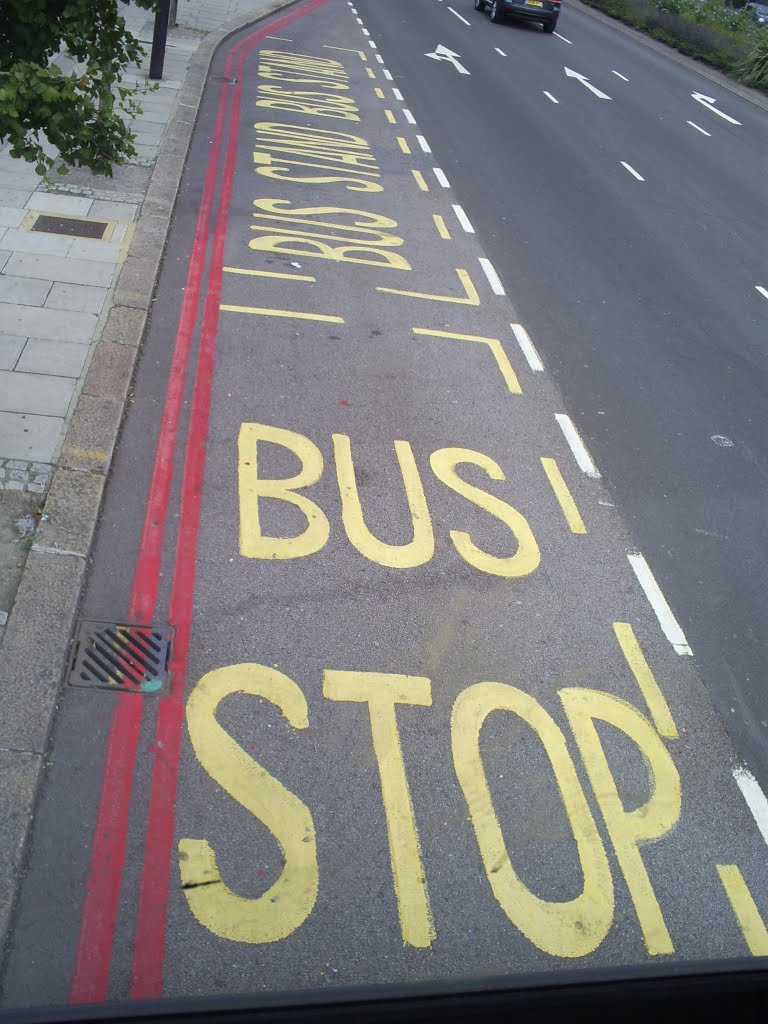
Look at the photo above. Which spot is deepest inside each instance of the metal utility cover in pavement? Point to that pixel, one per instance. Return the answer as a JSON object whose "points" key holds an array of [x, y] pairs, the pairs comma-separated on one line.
{"points": [[121, 656], [70, 226]]}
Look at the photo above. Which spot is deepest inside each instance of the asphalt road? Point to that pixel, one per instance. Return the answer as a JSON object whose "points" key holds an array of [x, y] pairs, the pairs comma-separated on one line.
{"points": [[420, 439]]}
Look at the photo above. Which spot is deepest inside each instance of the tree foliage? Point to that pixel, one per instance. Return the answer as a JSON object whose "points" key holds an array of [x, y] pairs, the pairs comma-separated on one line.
{"points": [[80, 111]]}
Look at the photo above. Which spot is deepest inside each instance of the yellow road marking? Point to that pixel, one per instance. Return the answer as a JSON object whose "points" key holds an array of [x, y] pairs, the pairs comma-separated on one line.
{"points": [[442, 230], [564, 496], [268, 273], [403, 144], [395, 556], [87, 453], [650, 689], [379, 93], [493, 344], [572, 928], [527, 555], [360, 53], [630, 830], [390, 116], [288, 902], [752, 927], [472, 299], [382, 693], [420, 181], [289, 313], [371, 73]]}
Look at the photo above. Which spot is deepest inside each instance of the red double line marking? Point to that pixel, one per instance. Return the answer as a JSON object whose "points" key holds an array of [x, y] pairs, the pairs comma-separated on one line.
{"points": [[102, 887]]}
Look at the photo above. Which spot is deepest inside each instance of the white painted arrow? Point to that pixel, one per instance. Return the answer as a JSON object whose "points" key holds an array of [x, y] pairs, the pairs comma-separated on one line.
{"points": [[709, 102], [443, 53], [585, 81]]}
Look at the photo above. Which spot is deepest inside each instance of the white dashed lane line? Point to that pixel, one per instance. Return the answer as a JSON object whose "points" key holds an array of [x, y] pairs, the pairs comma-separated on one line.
{"points": [[493, 278], [669, 624], [463, 219], [577, 446], [458, 16], [440, 175], [691, 123], [755, 798], [619, 75], [529, 351], [632, 171], [408, 116], [563, 38], [763, 291], [550, 96], [423, 143]]}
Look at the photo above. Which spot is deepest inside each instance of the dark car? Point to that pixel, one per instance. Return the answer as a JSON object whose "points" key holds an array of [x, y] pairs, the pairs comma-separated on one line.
{"points": [[544, 11]]}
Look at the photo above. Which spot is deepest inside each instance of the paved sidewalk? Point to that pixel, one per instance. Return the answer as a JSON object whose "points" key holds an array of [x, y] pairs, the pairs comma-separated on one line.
{"points": [[74, 300]]}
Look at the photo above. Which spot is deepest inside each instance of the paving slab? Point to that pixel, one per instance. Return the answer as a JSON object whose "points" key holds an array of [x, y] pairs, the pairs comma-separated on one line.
{"points": [[59, 268], [55, 358], [35, 393], [51, 202], [32, 437], [37, 242], [38, 322], [26, 291], [102, 209], [11, 216], [11, 346], [81, 298]]}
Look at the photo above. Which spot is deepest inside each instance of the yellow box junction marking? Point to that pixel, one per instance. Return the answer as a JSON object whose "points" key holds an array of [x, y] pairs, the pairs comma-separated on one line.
{"points": [[564, 496], [379, 93], [650, 689], [403, 145], [360, 53], [390, 116], [502, 360], [268, 273], [382, 693], [288, 313], [472, 296], [751, 924], [442, 230]]}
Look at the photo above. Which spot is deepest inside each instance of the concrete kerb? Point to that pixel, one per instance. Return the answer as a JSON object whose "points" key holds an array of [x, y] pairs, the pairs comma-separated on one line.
{"points": [[36, 645], [712, 74]]}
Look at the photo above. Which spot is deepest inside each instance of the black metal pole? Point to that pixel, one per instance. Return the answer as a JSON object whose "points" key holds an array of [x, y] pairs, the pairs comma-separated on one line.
{"points": [[159, 37]]}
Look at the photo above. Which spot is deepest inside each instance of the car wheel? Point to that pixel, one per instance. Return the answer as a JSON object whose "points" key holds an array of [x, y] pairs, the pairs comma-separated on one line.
{"points": [[479, 5], [496, 14], [548, 26]]}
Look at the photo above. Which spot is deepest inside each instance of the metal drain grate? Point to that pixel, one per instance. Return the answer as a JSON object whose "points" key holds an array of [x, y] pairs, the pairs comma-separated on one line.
{"points": [[70, 226], [121, 656]]}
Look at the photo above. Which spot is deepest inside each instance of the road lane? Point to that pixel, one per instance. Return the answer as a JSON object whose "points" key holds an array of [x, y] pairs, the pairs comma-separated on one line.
{"points": [[378, 542], [642, 294]]}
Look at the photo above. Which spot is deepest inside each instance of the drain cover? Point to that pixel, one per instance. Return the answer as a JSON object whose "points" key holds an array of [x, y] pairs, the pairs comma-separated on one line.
{"points": [[121, 656], [70, 226]]}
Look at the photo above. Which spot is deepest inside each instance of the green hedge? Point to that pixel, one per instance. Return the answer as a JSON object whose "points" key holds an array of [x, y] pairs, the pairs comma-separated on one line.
{"points": [[722, 36]]}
